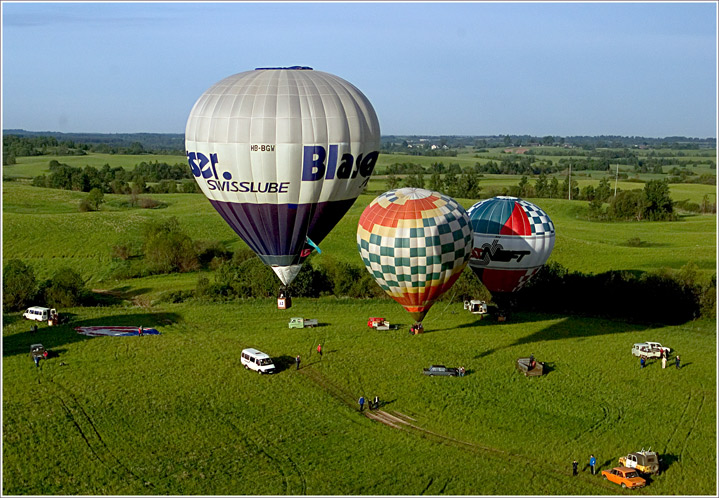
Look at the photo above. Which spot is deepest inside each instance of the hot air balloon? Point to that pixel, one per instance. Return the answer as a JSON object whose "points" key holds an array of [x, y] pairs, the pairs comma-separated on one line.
{"points": [[415, 243], [282, 154], [512, 240]]}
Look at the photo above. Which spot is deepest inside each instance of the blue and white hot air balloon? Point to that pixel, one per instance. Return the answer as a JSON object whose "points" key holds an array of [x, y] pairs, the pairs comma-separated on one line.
{"points": [[282, 154]]}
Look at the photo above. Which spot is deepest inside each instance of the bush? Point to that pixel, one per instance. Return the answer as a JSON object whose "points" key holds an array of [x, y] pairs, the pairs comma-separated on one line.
{"points": [[627, 205], [85, 206], [211, 252], [19, 285], [167, 249], [66, 288], [149, 203]]}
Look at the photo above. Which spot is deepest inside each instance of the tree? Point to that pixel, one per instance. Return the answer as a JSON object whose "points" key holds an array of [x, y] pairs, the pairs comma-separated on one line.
{"points": [[435, 182], [541, 188], [603, 190], [167, 248], [19, 285], [95, 198], [415, 180], [65, 288], [554, 188], [658, 204], [627, 205], [393, 181]]}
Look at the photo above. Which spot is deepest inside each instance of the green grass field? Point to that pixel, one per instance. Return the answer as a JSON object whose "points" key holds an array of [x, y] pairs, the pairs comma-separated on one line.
{"points": [[175, 414]]}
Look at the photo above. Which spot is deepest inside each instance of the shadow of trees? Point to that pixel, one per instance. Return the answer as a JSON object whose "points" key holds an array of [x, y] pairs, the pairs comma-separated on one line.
{"points": [[61, 335]]}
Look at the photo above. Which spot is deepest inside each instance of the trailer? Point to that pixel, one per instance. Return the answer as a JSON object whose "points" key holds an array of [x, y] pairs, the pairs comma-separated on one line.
{"points": [[476, 307], [380, 324], [530, 367]]}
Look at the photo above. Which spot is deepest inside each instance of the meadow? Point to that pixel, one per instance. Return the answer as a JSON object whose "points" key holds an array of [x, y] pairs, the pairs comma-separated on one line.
{"points": [[175, 414]]}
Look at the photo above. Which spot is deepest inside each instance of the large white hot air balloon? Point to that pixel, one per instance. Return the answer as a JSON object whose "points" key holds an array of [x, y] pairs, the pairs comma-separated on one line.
{"points": [[282, 154]]}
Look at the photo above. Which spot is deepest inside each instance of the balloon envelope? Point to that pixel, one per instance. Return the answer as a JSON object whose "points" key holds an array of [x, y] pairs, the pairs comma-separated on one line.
{"points": [[513, 238], [282, 154], [415, 243]]}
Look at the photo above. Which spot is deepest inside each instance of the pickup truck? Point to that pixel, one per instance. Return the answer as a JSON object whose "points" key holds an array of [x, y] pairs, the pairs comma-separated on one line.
{"points": [[649, 349], [440, 370], [300, 323], [380, 324]]}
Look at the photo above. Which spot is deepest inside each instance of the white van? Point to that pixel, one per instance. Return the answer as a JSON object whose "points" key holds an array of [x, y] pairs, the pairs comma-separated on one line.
{"points": [[37, 313], [258, 361]]}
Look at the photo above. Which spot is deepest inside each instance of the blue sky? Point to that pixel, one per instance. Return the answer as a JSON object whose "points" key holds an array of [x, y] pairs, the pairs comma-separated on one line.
{"points": [[644, 69]]}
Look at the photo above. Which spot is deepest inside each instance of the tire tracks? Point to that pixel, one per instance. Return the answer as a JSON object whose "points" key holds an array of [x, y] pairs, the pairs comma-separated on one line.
{"points": [[399, 421], [608, 418], [292, 475], [87, 429], [678, 424]]}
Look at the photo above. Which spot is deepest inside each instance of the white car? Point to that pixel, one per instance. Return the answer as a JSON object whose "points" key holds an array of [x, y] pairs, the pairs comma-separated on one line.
{"points": [[649, 349]]}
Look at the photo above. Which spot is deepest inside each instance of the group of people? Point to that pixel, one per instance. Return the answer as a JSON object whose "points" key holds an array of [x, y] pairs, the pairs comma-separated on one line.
{"points": [[664, 357], [373, 405], [592, 465]]}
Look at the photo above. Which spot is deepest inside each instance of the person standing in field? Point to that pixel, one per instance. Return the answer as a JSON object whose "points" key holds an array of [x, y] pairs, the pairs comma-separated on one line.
{"points": [[575, 465], [677, 362], [319, 349], [592, 463], [297, 362], [361, 402], [664, 361], [641, 362], [139, 331]]}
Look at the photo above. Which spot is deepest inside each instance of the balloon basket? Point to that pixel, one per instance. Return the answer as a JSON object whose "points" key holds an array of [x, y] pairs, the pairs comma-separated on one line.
{"points": [[284, 300], [416, 329]]}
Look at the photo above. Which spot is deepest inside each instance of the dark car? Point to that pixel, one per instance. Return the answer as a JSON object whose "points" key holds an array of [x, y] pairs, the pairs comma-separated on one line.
{"points": [[440, 370], [37, 350]]}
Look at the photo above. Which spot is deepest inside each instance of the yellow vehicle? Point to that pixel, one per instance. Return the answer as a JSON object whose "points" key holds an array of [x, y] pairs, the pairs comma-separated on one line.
{"points": [[625, 477], [645, 461]]}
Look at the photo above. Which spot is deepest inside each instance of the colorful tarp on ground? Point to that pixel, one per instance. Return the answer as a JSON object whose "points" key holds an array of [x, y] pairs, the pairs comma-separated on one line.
{"points": [[117, 331]]}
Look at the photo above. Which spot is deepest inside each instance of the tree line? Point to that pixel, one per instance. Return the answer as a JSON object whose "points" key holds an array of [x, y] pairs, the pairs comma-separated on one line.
{"points": [[169, 178], [20, 143]]}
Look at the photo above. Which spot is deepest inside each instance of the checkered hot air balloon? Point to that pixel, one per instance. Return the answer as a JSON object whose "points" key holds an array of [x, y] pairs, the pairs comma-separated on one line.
{"points": [[415, 243], [513, 238]]}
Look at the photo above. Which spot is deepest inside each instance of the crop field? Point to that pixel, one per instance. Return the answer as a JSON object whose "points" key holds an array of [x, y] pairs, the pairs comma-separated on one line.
{"points": [[176, 414]]}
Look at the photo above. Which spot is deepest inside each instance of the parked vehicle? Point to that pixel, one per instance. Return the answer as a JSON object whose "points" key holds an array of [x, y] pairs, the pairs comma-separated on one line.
{"points": [[440, 370], [38, 313], [625, 477], [645, 461], [525, 366], [649, 350], [380, 324], [256, 360], [37, 350], [300, 323], [476, 307]]}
